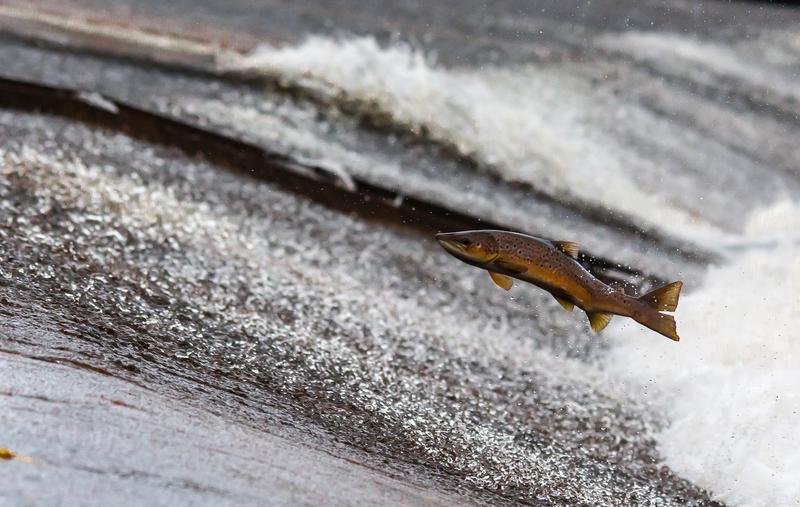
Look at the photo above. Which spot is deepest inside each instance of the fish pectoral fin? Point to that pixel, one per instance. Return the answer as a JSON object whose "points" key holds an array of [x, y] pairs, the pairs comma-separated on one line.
{"points": [[511, 266], [567, 305], [502, 281], [568, 247], [598, 320]]}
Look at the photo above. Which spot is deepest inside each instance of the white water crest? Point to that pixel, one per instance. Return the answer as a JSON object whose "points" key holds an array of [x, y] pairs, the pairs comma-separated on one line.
{"points": [[731, 387], [543, 125]]}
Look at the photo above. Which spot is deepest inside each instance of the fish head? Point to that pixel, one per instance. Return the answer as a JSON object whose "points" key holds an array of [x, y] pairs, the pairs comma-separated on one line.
{"points": [[473, 247]]}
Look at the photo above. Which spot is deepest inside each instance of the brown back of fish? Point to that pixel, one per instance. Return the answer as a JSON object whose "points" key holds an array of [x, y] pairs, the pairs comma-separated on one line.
{"points": [[548, 267]]}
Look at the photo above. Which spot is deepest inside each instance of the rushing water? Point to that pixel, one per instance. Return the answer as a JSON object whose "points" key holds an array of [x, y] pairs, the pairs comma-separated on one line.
{"points": [[659, 154], [375, 335], [677, 145], [731, 389]]}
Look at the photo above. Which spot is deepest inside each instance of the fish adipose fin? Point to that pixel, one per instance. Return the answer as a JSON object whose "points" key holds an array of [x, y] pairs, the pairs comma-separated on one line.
{"points": [[568, 247], [664, 298], [598, 320], [502, 281], [567, 305]]}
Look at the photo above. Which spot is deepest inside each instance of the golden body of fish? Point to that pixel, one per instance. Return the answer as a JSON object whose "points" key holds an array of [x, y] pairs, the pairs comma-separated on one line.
{"points": [[552, 265]]}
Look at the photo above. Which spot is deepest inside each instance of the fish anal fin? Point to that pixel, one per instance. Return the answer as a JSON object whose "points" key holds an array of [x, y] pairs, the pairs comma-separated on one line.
{"points": [[502, 281], [598, 320], [567, 305], [664, 298], [510, 266], [568, 247]]}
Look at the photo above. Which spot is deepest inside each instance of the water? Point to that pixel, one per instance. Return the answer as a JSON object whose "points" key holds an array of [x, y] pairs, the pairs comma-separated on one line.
{"points": [[330, 137], [682, 148], [571, 130], [372, 335], [731, 388]]}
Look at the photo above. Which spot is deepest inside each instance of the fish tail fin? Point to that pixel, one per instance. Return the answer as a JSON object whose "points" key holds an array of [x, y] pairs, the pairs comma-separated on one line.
{"points": [[662, 323], [664, 298]]}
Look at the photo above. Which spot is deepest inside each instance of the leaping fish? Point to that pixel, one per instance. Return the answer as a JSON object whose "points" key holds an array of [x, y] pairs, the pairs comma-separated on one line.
{"points": [[552, 265]]}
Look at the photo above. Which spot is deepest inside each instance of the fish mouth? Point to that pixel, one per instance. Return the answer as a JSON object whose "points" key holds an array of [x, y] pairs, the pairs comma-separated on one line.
{"points": [[459, 250], [450, 245]]}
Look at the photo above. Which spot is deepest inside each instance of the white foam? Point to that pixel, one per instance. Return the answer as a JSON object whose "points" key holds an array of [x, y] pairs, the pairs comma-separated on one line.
{"points": [[731, 387], [535, 124]]}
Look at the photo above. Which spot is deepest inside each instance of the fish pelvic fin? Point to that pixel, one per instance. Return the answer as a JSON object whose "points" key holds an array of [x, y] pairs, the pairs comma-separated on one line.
{"points": [[664, 324], [567, 305], [502, 281], [568, 247], [664, 298], [598, 320]]}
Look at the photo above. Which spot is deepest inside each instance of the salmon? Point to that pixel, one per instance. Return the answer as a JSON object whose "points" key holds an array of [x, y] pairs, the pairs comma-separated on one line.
{"points": [[553, 266]]}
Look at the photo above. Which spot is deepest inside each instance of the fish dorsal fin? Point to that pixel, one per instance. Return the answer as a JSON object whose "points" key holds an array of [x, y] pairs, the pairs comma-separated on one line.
{"points": [[598, 320], [568, 247], [664, 298], [567, 305], [511, 266], [502, 281]]}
